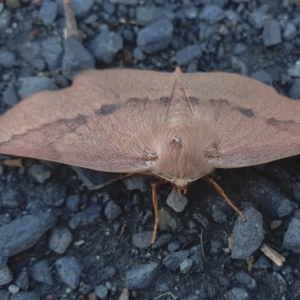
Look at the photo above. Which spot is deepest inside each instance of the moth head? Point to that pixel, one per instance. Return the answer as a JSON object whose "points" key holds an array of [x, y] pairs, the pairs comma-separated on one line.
{"points": [[182, 158]]}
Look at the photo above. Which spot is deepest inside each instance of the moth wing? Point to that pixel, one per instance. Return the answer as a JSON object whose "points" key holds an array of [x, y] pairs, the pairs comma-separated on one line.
{"points": [[253, 123], [106, 121]]}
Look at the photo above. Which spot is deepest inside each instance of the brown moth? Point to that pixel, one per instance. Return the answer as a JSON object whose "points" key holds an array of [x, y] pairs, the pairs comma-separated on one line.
{"points": [[178, 127]]}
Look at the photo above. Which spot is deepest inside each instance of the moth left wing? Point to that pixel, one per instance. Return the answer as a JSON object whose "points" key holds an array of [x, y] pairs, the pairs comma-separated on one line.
{"points": [[108, 121]]}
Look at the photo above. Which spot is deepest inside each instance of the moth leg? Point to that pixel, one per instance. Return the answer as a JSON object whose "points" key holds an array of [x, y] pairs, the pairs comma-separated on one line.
{"points": [[155, 206], [221, 192]]}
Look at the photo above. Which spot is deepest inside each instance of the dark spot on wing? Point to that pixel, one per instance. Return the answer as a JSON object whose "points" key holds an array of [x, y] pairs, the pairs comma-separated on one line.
{"points": [[136, 102], [219, 102], [164, 101], [245, 111], [106, 109], [194, 100], [282, 125]]}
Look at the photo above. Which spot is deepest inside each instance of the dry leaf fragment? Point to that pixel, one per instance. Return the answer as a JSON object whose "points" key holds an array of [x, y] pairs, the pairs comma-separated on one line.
{"points": [[273, 255], [178, 127]]}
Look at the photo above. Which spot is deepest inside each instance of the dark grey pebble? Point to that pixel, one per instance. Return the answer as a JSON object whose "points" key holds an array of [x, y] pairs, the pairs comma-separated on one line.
{"points": [[275, 204], [88, 216], [55, 194], [262, 263], [39, 173], [162, 286], [162, 240], [32, 85], [6, 276], [26, 296], [105, 46], [237, 294], [271, 33], [247, 236], [48, 12], [76, 58], [52, 52], [211, 14], [72, 202], [24, 232], [112, 210], [141, 276], [291, 238], [81, 8], [247, 281], [197, 257], [186, 265], [173, 260], [188, 54], [142, 240], [69, 270], [22, 280], [41, 272], [216, 247], [101, 291], [156, 36], [12, 196], [281, 282], [60, 239], [7, 59], [10, 96]]}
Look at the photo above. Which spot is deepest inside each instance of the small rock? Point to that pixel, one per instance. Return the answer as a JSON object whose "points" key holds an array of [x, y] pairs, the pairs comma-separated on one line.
{"points": [[218, 208], [186, 265], [211, 14], [141, 276], [86, 217], [237, 294], [12, 196], [173, 260], [60, 239], [245, 280], [206, 31], [55, 194], [22, 233], [39, 173], [112, 210], [22, 281], [32, 85], [290, 31], [9, 95], [271, 33], [262, 263], [105, 46], [5, 18], [177, 201], [247, 236], [162, 240], [262, 76], [156, 36], [291, 238], [26, 296], [142, 240], [126, 2], [52, 52], [161, 286], [145, 15], [295, 90], [81, 8], [197, 257], [294, 71], [106, 273], [75, 59], [168, 220], [7, 59], [187, 54], [72, 202], [101, 291], [41, 272], [137, 182], [48, 12], [138, 54], [69, 270], [216, 247], [6, 276], [281, 282]]}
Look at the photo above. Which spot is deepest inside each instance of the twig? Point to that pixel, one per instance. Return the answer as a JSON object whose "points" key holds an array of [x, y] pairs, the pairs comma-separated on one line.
{"points": [[272, 254], [201, 242]]}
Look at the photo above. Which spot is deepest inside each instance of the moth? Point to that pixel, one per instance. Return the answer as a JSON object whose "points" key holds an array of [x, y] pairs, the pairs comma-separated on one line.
{"points": [[178, 127]]}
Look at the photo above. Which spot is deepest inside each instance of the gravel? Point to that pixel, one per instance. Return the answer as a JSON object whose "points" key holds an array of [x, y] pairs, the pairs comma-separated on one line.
{"points": [[66, 234]]}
